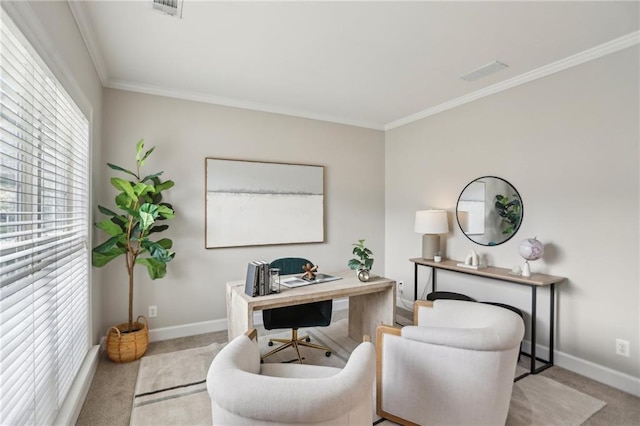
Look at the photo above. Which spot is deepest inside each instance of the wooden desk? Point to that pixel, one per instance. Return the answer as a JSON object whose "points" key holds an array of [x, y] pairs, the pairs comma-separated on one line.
{"points": [[534, 281], [370, 304]]}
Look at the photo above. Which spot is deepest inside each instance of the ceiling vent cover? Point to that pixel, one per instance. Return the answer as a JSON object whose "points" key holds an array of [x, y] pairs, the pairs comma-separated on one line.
{"points": [[169, 7], [484, 71]]}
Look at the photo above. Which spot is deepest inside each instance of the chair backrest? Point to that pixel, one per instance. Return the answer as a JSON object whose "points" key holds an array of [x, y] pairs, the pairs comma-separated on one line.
{"points": [[290, 265], [312, 314]]}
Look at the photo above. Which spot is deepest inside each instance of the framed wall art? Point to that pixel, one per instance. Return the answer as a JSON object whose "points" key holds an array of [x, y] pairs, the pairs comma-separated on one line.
{"points": [[251, 203]]}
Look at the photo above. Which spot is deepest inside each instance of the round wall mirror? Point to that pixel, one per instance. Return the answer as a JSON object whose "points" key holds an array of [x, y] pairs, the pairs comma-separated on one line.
{"points": [[489, 211]]}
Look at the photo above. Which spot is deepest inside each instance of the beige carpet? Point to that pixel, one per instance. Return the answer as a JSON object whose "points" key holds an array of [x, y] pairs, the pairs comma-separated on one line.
{"points": [[171, 388]]}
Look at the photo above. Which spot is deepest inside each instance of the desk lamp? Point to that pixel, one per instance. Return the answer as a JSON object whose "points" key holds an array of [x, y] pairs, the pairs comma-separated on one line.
{"points": [[431, 223]]}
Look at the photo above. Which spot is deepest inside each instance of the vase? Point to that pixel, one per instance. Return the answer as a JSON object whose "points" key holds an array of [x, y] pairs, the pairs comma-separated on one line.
{"points": [[363, 275], [127, 346]]}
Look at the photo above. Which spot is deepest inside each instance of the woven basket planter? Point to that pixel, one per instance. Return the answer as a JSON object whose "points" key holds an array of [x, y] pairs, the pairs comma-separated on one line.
{"points": [[127, 346]]}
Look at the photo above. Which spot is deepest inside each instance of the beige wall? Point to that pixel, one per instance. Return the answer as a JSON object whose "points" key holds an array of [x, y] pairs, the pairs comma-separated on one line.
{"points": [[569, 144], [184, 133], [51, 28]]}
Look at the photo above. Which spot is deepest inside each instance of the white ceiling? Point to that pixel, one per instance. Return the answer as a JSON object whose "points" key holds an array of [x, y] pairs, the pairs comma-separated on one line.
{"points": [[370, 64]]}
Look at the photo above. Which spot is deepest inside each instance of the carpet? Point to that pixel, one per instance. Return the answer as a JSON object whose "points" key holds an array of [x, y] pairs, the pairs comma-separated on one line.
{"points": [[171, 388]]}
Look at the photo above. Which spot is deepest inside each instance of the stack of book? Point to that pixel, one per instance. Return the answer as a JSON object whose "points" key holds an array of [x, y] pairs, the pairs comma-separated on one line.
{"points": [[257, 283]]}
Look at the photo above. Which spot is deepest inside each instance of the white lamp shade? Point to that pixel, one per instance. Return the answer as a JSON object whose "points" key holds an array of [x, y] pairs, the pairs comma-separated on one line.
{"points": [[431, 222]]}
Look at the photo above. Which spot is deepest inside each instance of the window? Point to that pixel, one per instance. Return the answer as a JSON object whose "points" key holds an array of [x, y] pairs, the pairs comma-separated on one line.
{"points": [[44, 222]]}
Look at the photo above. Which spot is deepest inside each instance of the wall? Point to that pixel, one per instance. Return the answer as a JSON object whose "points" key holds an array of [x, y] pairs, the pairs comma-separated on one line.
{"points": [[52, 30], [184, 133], [569, 144]]}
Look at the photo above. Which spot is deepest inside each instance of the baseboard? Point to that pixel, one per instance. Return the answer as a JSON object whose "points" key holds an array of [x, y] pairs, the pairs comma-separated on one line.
{"points": [[589, 369], [70, 409], [174, 332]]}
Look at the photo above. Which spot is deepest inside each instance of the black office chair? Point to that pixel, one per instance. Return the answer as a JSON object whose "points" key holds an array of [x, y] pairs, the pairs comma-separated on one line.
{"points": [[307, 315]]}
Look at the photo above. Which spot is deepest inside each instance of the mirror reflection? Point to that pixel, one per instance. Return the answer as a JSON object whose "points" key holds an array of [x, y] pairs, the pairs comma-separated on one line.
{"points": [[489, 211]]}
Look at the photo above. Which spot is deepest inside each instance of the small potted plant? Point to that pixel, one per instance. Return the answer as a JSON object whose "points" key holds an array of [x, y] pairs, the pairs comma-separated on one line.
{"points": [[363, 263]]}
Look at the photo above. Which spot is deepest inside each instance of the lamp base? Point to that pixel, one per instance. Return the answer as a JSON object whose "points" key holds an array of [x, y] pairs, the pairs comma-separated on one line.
{"points": [[430, 245]]}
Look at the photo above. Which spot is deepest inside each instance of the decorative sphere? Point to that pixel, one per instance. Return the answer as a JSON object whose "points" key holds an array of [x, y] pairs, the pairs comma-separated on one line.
{"points": [[363, 275], [531, 249]]}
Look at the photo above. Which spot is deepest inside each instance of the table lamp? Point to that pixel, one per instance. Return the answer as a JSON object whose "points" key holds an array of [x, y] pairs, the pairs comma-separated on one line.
{"points": [[431, 223]]}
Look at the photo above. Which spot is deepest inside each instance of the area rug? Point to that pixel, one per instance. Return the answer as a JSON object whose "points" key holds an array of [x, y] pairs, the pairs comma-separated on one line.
{"points": [[171, 388]]}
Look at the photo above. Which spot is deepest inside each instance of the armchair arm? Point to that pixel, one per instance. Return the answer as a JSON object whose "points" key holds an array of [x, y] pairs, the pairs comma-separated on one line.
{"points": [[301, 400]]}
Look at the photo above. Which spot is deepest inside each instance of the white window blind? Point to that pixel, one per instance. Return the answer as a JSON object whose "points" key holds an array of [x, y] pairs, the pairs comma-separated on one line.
{"points": [[44, 221]]}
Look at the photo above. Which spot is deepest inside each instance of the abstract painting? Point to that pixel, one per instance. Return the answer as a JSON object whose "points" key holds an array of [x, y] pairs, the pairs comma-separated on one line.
{"points": [[251, 203]]}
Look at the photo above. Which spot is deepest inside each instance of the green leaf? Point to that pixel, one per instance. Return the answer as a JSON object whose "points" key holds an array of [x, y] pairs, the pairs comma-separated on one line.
{"points": [[110, 227], [164, 185], [125, 186], [354, 264], [139, 148], [141, 189], [108, 212], [165, 212], [120, 169], [107, 251], [165, 243], [124, 201], [146, 155], [154, 268], [157, 228], [148, 214], [150, 177]]}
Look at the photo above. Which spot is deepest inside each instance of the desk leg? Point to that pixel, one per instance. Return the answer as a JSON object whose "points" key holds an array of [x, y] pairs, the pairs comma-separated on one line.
{"points": [[239, 316], [368, 311]]}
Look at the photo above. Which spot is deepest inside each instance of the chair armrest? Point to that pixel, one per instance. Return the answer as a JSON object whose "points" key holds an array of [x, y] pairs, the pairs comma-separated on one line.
{"points": [[264, 398], [252, 334]]}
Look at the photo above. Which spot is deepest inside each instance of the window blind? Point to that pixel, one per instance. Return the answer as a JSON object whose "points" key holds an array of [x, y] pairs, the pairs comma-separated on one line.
{"points": [[44, 221]]}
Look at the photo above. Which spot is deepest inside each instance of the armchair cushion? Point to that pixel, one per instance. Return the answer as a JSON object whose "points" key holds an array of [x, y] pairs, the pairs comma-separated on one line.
{"points": [[243, 392]]}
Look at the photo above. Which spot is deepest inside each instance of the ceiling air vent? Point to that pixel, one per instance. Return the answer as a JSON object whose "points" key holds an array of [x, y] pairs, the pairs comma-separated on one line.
{"points": [[170, 7], [484, 71]]}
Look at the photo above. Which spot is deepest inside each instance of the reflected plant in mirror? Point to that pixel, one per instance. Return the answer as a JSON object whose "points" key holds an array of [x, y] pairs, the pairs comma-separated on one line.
{"points": [[489, 210], [510, 212]]}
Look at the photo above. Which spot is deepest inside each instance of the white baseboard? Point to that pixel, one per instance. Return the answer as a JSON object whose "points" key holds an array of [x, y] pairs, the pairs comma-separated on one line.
{"points": [[70, 409], [589, 369], [174, 332]]}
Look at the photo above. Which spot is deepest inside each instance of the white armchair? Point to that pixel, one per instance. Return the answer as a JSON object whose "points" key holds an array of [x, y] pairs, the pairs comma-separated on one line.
{"points": [[245, 392], [455, 366]]}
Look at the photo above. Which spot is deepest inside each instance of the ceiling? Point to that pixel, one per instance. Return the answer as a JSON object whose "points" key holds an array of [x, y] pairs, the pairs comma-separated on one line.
{"points": [[369, 64]]}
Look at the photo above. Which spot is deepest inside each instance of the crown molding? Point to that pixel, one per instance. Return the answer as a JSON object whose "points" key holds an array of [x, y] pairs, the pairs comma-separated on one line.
{"points": [[80, 16], [561, 65], [236, 103]]}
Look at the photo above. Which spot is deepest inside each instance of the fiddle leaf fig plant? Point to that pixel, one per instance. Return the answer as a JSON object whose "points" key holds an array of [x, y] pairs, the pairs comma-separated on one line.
{"points": [[364, 259], [141, 209]]}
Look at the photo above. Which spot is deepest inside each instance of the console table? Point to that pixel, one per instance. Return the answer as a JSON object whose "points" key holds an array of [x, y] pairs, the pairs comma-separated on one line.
{"points": [[371, 303], [503, 274]]}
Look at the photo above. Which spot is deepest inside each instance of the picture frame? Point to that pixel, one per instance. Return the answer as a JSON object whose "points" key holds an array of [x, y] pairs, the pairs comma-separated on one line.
{"points": [[253, 203]]}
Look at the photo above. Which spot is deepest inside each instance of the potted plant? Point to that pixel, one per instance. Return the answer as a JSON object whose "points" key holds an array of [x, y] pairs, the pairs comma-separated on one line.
{"points": [[129, 231], [364, 261]]}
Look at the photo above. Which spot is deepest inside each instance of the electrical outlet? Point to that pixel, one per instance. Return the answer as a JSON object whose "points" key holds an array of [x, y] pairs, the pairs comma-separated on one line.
{"points": [[401, 287], [153, 311], [622, 347]]}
